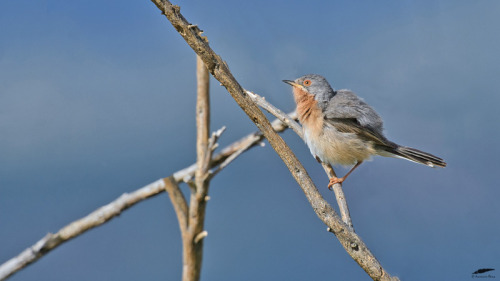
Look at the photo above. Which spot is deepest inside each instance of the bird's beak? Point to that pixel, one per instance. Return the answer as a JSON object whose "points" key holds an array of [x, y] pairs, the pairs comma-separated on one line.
{"points": [[296, 85], [291, 83]]}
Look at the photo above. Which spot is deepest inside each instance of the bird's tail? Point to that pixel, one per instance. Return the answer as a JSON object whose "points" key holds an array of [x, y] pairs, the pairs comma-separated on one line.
{"points": [[417, 156]]}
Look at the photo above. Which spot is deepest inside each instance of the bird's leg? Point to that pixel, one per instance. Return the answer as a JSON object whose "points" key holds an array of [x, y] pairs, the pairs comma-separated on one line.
{"points": [[317, 159], [335, 180]]}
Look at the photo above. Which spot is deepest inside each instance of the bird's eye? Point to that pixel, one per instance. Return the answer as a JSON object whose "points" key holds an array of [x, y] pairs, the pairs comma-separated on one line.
{"points": [[307, 82]]}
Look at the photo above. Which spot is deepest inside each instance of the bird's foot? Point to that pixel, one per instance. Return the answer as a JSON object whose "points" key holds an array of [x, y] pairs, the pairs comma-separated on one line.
{"points": [[335, 180]]}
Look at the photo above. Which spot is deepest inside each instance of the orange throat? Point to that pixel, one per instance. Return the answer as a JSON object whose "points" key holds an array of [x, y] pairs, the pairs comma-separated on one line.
{"points": [[309, 113]]}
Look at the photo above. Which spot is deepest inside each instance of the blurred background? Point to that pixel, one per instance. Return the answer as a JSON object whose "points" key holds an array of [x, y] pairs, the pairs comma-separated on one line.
{"points": [[97, 98]]}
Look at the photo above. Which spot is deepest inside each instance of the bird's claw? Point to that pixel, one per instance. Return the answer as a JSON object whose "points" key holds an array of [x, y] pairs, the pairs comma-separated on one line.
{"points": [[335, 180]]}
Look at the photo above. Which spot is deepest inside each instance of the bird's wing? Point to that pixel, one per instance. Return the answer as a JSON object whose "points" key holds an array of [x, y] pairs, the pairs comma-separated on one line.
{"points": [[349, 114], [353, 126], [345, 104]]}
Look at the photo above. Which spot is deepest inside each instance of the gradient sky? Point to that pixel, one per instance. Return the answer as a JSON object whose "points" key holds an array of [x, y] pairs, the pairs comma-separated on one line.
{"points": [[97, 98]]}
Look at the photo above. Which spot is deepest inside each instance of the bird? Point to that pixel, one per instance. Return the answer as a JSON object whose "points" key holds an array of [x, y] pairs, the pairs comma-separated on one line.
{"points": [[341, 129]]}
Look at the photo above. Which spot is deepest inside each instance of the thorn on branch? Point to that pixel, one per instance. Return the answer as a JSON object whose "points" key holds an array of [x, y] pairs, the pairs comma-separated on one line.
{"points": [[200, 236], [220, 131], [212, 143], [198, 31]]}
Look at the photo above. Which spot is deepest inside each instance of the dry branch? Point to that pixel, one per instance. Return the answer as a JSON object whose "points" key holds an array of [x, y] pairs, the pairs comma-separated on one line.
{"points": [[96, 218], [192, 237], [203, 150], [351, 242], [178, 201]]}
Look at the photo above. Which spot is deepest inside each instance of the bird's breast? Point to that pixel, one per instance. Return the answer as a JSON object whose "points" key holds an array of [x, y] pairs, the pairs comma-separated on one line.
{"points": [[308, 111]]}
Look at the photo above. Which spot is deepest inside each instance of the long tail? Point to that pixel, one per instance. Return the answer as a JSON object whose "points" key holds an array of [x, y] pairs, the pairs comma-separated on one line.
{"points": [[417, 156]]}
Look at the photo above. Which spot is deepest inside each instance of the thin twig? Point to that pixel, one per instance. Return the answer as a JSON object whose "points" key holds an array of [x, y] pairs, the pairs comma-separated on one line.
{"points": [[245, 146], [94, 219], [290, 122], [339, 195], [351, 242], [178, 201]]}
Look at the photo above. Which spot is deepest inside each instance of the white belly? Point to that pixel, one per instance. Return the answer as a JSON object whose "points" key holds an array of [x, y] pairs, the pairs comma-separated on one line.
{"points": [[337, 148]]}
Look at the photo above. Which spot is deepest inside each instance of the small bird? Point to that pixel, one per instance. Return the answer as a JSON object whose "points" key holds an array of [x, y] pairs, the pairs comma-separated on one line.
{"points": [[340, 128]]}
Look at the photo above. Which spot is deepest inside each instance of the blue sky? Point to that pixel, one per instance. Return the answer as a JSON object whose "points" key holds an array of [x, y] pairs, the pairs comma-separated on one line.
{"points": [[97, 99]]}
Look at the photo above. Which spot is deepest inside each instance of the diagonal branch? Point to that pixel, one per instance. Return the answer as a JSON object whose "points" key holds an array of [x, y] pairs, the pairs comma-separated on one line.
{"points": [[339, 195], [290, 122], [351, 242], [94, 219]]}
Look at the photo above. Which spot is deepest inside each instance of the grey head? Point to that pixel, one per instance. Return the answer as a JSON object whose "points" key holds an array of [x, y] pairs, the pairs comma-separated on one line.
{"points": [[316, 85]]}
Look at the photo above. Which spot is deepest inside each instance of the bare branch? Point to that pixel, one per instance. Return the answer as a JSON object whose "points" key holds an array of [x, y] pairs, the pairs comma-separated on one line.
{"points": [[202, 120], [351, 242], [243, 147], [277, 113], [178, 201], [339, 195], [231, 152], [96, 218], [191, 238]]}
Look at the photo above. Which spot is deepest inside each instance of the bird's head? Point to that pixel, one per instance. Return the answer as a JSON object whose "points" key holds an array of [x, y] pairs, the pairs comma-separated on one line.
{"points": [[315, 85]]}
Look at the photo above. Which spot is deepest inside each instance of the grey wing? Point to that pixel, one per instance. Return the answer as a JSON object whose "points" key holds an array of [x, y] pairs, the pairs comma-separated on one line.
{"points": [[345, 104], [349, 114]]}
